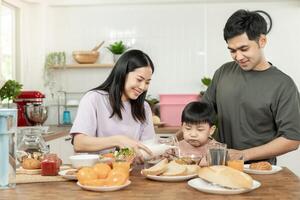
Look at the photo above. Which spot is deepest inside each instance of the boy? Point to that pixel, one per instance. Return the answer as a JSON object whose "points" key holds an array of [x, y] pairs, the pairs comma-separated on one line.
{"points": [[197, 125]]}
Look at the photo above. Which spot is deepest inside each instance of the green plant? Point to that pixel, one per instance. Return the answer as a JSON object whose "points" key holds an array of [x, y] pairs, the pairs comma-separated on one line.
{"points": [[206, 81], [10, 90], [52, 59], [117, 47], [151, 100]]}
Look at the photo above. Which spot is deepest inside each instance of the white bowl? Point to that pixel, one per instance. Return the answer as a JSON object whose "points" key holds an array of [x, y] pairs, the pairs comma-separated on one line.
{"points": [[84, 160]]}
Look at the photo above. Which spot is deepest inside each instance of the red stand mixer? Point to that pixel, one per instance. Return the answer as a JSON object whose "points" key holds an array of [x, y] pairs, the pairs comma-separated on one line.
{"points": [[30, 108]]}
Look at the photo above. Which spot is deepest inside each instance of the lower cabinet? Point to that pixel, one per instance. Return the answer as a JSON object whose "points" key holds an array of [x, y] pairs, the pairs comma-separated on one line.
{"points": [[291, 161], [62, 147]]}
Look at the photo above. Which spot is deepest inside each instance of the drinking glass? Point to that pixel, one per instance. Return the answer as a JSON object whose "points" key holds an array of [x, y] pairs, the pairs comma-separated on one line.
{"points": [[216, 154], [236, 160]]}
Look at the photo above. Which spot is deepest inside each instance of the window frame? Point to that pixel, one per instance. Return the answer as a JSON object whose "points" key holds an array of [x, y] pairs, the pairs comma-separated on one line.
{"points": [[15, 51]]}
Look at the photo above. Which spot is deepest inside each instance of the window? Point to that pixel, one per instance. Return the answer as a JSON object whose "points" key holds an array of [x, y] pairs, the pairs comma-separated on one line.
{"points": [[8, 41]]}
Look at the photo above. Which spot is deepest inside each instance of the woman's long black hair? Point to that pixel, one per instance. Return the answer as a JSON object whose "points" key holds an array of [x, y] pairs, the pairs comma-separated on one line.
{"points": [[115, 83]]}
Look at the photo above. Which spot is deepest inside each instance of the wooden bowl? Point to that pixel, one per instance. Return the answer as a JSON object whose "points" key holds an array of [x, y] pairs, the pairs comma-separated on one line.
{"points": [[86, 57]]}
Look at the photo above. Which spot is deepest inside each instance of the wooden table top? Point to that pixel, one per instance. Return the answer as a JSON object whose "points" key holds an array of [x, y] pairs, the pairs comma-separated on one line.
{"points": [[283, 185]]}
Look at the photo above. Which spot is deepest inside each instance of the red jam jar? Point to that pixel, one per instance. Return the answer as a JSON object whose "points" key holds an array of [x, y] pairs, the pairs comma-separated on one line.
{"points": [[50, 165]]}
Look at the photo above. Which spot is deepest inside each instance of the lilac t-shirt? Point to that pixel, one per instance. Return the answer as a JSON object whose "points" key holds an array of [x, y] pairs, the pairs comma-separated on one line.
{"points": [[93, 119]]}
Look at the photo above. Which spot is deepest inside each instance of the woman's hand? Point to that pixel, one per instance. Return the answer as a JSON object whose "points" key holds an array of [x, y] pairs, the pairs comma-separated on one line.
{"points": [[123, 141]]}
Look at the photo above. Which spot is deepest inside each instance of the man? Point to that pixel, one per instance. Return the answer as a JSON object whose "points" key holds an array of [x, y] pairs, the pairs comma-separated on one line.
{"points": [[258, 106]]}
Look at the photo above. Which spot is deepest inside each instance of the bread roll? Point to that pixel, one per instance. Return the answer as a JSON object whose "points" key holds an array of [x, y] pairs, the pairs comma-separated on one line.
{"points": [[261, 166], [30, 163], [157, 169], [226, 177]]}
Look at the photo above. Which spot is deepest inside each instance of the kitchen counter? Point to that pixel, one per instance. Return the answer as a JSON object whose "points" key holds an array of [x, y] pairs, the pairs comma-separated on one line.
{"points": [[61, 131], [283, 185]]}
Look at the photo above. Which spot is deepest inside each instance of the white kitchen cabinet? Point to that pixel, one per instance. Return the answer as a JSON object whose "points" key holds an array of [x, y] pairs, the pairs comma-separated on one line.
{"points": [[290, 160], [62, 147]]}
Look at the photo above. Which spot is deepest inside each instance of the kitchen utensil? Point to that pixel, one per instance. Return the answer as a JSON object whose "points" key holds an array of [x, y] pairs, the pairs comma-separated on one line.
{"points": [[36, 114], [66, 117], [25, 98], [98, 46], [86, 57], [84, 160]]}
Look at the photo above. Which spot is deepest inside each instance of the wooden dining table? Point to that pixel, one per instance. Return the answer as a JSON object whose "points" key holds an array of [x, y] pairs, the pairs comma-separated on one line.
{"points": [[282, 185]]}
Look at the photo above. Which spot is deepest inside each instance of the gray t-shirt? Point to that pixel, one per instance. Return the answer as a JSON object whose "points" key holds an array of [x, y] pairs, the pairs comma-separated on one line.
{"points": [[254, 107]]}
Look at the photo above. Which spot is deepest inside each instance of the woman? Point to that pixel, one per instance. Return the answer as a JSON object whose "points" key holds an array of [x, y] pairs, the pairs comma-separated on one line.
{"points": [[115, 114]]}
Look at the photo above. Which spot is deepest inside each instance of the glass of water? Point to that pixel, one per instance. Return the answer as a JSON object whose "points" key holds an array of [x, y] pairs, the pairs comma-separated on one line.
{"points": [[216, 154]]}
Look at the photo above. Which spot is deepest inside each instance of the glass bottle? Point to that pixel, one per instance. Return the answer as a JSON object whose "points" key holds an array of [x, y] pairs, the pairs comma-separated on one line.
{"points": [[32, 141]]}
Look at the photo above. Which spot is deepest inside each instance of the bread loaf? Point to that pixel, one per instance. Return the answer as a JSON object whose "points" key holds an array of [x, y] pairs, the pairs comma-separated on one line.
{"points": [[226, 177]]}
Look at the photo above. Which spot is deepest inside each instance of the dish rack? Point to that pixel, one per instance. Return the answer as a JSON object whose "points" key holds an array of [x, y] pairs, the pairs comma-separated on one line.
{"points": [[67, 107]]}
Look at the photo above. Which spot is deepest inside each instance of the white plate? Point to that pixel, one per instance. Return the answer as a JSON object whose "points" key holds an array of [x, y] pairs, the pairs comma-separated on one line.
{"points": [[66, 176], [204, 186], [104, 188], [274, 170], [171, 178]]}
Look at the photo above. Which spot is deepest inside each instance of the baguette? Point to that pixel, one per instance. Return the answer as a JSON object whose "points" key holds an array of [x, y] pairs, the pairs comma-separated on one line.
{"points": [[226, 177], [157, 169], [175, 169]]}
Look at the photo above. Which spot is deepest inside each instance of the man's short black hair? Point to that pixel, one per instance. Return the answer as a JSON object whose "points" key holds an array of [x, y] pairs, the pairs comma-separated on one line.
{"points": [[244, 21], [198, 112]]}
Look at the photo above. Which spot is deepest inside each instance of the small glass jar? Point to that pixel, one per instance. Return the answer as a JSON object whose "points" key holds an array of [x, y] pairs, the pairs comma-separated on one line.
{"points": [[32, 141], [50, 165]]}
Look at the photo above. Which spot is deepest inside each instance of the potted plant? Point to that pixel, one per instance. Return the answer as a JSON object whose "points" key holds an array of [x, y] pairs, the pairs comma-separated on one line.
{"points": [[117, 49], [206, 81], [52, 59], [10, 90], [154, 105]]}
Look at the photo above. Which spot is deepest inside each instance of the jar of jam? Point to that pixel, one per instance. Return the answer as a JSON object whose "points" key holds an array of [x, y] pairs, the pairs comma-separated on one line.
{"points": [[50, 165]]}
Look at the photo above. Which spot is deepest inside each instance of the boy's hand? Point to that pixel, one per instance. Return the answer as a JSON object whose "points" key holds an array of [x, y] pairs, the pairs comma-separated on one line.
{"points": [[169, 154]]}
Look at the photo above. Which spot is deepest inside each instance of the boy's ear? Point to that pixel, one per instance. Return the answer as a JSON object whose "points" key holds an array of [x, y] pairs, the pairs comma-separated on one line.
{"points": [[212, 130]]}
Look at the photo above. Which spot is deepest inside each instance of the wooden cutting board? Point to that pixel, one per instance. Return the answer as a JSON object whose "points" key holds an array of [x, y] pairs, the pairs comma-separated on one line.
{"points": [[37, 178], [34, 176]]}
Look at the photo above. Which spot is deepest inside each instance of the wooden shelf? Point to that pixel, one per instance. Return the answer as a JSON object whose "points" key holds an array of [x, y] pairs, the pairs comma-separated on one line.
{"points": [[81, 66]]}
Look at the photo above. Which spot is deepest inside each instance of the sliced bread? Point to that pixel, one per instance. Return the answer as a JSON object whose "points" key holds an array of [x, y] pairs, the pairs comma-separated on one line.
{"points": [[157, 169], [175, 169], [192, 169]]}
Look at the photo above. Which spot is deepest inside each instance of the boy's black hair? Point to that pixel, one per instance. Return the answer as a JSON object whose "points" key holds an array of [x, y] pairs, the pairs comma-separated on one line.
{"points": [[198, 112], [249, 22]]}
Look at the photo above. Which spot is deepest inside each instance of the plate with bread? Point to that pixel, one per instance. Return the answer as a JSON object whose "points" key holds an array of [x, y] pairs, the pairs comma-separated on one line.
{"points": [[261, 168], [170, 171], [223, 180]]}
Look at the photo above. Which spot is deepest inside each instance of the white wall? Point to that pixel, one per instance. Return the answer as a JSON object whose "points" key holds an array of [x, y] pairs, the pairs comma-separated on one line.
{"points": [[185, 40]]}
